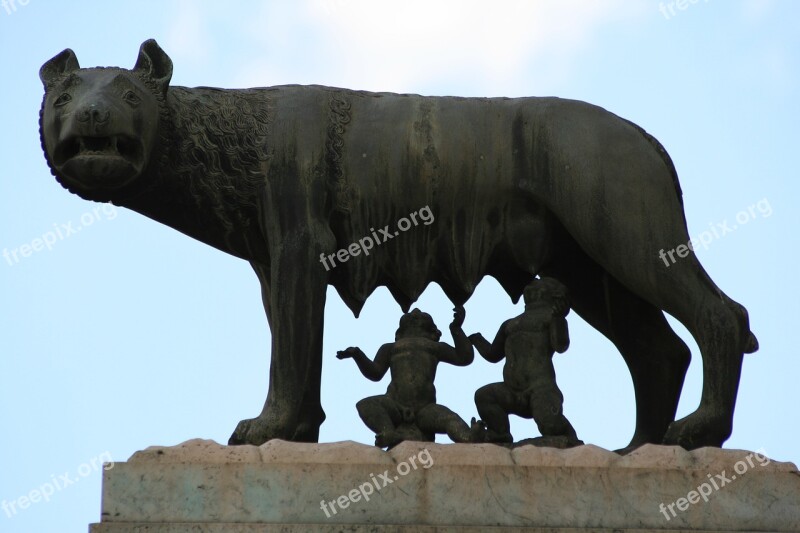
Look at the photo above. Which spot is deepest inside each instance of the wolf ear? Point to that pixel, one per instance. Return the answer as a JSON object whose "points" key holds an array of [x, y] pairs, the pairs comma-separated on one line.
{"points": [[154, 63], [61, 64]]}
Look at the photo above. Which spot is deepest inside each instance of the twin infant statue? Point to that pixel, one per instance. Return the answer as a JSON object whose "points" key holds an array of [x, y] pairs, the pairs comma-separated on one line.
{"points": [[408, 410]]}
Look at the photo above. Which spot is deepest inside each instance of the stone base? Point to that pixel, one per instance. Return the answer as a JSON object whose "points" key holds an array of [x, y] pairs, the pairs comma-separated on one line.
{"points": [[201, 486], [363, 528]]}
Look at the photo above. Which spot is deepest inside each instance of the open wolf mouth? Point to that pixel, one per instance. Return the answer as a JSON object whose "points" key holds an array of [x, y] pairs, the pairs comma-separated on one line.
{"points": [[111, 146], [102, 162]]}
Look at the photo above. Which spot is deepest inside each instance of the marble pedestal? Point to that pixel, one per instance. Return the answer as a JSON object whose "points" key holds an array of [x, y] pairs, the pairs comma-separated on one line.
{"points": [[201, 486]]}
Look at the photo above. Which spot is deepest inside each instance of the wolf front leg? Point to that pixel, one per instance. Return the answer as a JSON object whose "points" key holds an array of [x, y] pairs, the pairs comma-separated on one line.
{"points": [[293, 290]]}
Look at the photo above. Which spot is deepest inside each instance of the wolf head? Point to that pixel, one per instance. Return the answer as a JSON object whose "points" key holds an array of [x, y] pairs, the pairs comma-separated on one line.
{"points": [[99, 126]]}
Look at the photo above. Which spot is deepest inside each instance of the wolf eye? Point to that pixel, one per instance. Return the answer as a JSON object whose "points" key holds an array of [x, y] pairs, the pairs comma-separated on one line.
{"points": [[131, 98], [62, 100]]}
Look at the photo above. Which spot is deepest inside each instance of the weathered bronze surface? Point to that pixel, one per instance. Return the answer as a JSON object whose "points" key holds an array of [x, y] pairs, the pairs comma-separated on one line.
{"points": [[289, 177]]}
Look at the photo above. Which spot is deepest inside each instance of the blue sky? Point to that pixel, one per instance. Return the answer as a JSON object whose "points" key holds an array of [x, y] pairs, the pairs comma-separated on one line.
{"points": [[127, 334]]}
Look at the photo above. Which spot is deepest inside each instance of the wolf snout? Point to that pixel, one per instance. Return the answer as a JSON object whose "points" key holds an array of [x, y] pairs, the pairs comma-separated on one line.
{"points": [[94, 115]]}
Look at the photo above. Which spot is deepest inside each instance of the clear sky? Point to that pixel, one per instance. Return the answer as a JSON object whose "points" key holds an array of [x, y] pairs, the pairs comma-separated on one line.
{"points": [[127, 334]]}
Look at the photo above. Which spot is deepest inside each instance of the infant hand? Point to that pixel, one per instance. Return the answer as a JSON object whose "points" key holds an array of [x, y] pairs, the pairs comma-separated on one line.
{"points": [[458, 316], [348, 353]]}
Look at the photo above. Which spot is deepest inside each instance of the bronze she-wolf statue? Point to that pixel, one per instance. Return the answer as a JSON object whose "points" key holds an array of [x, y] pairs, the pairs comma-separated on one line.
{"points": [[287, 176]]}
